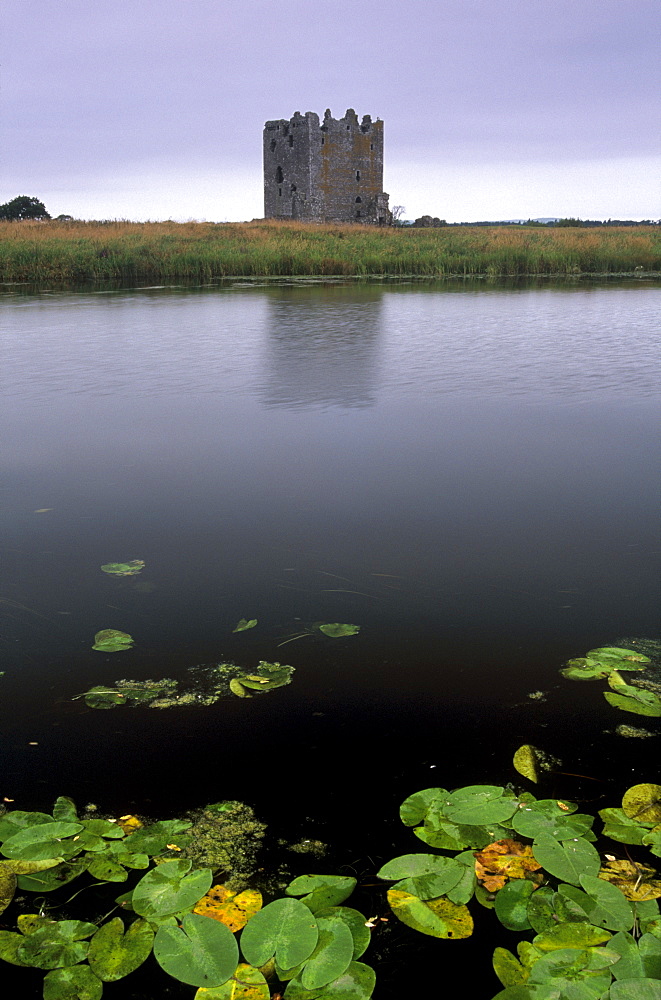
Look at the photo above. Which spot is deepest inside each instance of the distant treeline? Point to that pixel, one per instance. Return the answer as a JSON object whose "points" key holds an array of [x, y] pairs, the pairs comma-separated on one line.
{"points": [[564, 223], [70, 251]]}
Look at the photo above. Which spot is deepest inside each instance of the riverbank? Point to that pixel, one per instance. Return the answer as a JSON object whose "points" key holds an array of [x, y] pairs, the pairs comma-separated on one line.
{"points": [[93, 251]]}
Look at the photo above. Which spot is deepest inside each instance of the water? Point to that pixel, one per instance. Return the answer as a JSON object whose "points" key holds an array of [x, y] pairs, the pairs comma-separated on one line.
{"points": [[467, 472]]}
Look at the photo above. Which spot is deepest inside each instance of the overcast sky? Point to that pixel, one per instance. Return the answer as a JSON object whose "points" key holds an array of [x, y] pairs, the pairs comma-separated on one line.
{"points": [[493, 109]]}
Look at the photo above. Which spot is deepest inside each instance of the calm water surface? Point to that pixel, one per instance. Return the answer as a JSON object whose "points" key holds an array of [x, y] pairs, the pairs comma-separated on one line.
{"points": [[468, 473]]}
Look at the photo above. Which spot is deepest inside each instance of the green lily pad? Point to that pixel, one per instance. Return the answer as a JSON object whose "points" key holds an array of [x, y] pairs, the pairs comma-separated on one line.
{"points": [[566, 860], [321, 891], [77, 982], [53, 878], [355, 921], [285, 929], [414, 809], [18, 819], [425, 875], [169, 888], [357, 983], [131, 568], [511, 904], [200, 952], [508, 968], [58, 944], [110, 640], [247, 983], [114, 953], [625, 659], [583, 669], [640, 703], [437, 917], [47, 840], [635, 989], [476, 805], [245, 624], [332, 954], [336, 630]]}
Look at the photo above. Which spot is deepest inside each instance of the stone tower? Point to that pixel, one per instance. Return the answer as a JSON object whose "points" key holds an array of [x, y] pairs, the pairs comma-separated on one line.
{"points": [[331, 172]]}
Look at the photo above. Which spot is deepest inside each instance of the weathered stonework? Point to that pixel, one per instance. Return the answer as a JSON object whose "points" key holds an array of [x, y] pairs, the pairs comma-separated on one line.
{"points": [[331, 172]]}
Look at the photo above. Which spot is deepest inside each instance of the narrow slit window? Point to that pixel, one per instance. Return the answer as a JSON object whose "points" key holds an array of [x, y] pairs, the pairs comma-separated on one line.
{"points": [[279, 176], [357, 175], [291, 140], [273, 144]]}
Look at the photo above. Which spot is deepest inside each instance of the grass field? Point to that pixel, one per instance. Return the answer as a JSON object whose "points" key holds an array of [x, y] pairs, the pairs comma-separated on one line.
{"points": [[93, 251]]}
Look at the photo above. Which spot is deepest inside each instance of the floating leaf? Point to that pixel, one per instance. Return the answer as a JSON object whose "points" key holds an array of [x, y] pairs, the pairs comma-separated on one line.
{"points": [[635, 881], [437, 917], [321, 891], [653, 840], [53, 878], [623, 659], [511, 905], [237, 688], [503, 860], [643, 803], [247, 983], [549, 816], [9, 870], [357, 983], [230, 908], [110, 640], [355, 921], [114, 954], [644, 702], [566, 860], [414, 809], [619, 826], [508, 968], [131, 568], [336, 630], [608, 906], [582, 669], [635, 989], [245, 624], [77, 982], [129, 823], [200, 952], [169, 889], [57, 944], [332, 954], [285, 929], [39, 843], [541, 909], [577, 934], [527, 763], [17, 820], [476, 805], [424, 875]]}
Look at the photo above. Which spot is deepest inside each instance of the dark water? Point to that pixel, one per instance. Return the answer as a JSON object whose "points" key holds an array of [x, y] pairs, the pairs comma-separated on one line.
{"points": [[468, 473]]}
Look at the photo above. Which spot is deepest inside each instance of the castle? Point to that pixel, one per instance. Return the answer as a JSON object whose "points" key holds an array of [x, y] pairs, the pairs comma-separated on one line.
{"points": [[331, 172]]}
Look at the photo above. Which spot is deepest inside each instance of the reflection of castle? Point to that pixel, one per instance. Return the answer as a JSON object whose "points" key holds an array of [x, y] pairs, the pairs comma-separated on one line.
{"points": [[327, 173], [321, 347]]}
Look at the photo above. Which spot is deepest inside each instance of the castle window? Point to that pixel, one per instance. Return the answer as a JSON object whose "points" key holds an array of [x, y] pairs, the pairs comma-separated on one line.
{"points": [[358, 201], [323, 140], [279, 176], [273, 144], [280, 192], [292, 189], [371, 145], [357, 175], [348, 127], [358, 214], [291, 140]]}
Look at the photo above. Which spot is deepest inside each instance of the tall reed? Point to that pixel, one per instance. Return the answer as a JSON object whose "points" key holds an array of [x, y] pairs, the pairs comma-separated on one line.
{"points": [[125, 251]]}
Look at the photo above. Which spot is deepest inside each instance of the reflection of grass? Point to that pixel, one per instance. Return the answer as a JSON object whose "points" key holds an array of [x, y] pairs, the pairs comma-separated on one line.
{"points": [[82, 251]]}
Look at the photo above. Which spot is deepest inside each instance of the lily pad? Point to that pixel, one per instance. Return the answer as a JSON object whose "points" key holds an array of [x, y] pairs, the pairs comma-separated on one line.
{"points": [[285, 929], [114, 953], [247, 983], [76, 982], [643, 803], [110, 640], [169, 888], [9, 872], [437, 917], [200, 952], [245, 624], [131, 568], [336, 630]]}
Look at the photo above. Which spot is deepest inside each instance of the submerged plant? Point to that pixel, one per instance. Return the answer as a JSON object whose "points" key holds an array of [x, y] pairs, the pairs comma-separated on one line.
{"points": [[131, 568]]}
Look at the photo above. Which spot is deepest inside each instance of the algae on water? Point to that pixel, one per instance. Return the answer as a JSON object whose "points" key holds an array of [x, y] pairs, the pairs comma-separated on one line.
{"points": [[204, 684]]}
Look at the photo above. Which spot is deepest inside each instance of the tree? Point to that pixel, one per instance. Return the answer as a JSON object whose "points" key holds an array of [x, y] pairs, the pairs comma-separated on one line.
{"points": [[23, 208], [397, 212]]}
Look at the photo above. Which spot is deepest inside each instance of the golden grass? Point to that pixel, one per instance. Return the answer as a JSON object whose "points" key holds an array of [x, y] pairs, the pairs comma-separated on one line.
{"points": [[89, 251]]}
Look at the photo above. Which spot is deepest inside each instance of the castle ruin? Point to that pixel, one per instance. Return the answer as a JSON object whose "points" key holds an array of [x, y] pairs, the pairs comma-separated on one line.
{"points": [[331, 172]]}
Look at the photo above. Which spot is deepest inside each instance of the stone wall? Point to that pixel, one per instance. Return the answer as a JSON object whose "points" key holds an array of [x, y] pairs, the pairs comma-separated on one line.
{"points": [[331, 172]]}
